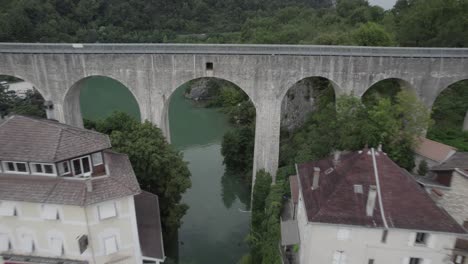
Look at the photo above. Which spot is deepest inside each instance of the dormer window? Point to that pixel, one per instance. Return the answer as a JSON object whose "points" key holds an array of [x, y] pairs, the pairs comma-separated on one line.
{"points": [[82, 166], [64, 168], [15, 167], [43, 169]]}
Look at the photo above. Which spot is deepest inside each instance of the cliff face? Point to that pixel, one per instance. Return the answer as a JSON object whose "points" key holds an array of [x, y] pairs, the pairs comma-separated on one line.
{"points": [[298, 103]]}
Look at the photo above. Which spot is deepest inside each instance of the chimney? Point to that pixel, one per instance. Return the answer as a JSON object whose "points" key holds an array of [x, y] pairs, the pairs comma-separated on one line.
{"points": [[316, 178], [336, 158], [379, 148], [371, 200], [89, 186]]}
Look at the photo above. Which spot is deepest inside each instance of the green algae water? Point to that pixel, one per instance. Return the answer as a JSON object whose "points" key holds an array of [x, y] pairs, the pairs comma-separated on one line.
{"points": [[216, 224], [100, 96]]}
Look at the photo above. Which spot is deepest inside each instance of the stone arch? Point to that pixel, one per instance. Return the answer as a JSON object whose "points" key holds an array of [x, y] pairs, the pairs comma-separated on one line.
{"points": [[43, 92], [165, 118], [404, 84], [71, 100], [336, 87], [445, 88]]}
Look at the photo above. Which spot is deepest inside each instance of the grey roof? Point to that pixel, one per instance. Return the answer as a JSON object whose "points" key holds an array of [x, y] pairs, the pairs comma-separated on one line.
{"points": [[458, 160], [30, 139], [120, 182], [149, 225]]}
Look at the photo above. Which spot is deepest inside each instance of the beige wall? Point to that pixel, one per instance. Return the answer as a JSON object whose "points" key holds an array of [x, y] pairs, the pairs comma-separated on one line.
{"points": [[455, 199], [74, 222], [320, 241]]}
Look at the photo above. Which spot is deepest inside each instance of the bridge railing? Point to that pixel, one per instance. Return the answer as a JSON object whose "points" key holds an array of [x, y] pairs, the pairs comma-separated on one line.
{"points": [[232, 49]]}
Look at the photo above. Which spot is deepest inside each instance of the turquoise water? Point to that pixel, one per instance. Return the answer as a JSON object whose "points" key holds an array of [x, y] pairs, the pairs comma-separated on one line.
{"points": [[214, 228]]}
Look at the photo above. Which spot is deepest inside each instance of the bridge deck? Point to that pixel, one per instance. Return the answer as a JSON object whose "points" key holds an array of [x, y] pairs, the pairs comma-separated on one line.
{"points": [[232, 49]]}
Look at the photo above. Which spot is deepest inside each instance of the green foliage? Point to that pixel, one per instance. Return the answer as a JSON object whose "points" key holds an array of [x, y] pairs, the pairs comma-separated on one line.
{"points": [[265, 228], [160, 169], [423, 168], [449, 112], [372, 34], [237, 148], [31, 105], [352, 125]]}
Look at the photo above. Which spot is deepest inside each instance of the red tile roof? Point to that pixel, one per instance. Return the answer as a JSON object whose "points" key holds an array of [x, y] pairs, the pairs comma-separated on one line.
{"points": [[434, 150], [406, 205]]}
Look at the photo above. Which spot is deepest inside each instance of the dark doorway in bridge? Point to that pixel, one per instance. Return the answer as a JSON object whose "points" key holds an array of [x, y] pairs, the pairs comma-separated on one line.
{"points": [[302, 107], [96, 97], [388, 88], [212, 122], [20, 97], [450, 114]]}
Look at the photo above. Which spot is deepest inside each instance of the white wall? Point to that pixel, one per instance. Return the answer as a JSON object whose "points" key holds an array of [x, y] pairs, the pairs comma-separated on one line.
{"points": [[76, 221]]}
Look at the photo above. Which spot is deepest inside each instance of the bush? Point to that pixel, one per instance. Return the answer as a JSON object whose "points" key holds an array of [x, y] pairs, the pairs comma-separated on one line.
{"points": [[423, 168]]}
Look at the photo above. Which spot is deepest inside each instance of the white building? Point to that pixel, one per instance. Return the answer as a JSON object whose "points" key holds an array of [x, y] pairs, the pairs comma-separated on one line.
{"points": [[65, 197], [360, 207]]}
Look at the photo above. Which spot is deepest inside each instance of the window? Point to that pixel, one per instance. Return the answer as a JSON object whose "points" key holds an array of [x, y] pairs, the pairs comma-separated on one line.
{"points": [[27, 243], [384, 236], [42, 168], [97, 158], [50, 212], [7, 209], [343, 234], [16, 167], [339, 257], [371, 261], [107, 211], [83, 243], [209, 66], [5, 243], [110, 245], [82, 166], [56, 246], [421, 238], [415, 261], [458, 259], [64, 168]]}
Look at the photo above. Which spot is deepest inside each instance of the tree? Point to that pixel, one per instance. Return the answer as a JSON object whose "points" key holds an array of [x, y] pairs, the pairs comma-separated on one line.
{"points": [[159, 168], [372, 34], [423, 168]]}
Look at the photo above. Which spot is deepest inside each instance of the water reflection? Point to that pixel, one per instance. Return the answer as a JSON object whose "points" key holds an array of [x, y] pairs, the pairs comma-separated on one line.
{"points": [[215, 226]]}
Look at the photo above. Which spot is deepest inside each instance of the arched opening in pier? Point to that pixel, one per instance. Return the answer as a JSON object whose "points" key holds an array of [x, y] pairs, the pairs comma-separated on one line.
{"points": [[18, 96], [94, 98], [387, 88], [212, 122], [450, 115], [303, 109]]}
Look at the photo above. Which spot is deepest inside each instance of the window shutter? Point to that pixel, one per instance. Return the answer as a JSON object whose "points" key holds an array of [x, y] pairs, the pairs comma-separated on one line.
{"points": [[56, 246], [110, 245], [336, 257], [97, 158], [50, 212], [405, 261], [427, 261], [7, 209], [343, 258], [107, 211], [432, 241], [4, 242], [27, 244], [411, 239]]}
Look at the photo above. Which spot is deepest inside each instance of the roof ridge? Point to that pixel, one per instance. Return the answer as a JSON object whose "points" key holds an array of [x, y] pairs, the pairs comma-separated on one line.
{"points": [[57, 144]]}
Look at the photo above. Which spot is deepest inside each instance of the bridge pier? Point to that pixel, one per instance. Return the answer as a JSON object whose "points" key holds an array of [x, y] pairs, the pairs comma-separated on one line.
{"points": [[267, 136]]}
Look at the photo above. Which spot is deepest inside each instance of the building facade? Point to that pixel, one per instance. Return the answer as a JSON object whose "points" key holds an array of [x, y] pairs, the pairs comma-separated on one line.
{"points": [[360, 207], [65, 197]]}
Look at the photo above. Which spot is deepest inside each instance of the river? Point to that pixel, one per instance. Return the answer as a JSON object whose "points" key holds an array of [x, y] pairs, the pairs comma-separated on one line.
{"points": [[216, 224]]}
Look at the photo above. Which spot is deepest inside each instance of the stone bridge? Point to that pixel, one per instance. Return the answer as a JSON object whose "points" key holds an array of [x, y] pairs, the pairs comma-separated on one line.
{"points": [[152, 72]]}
